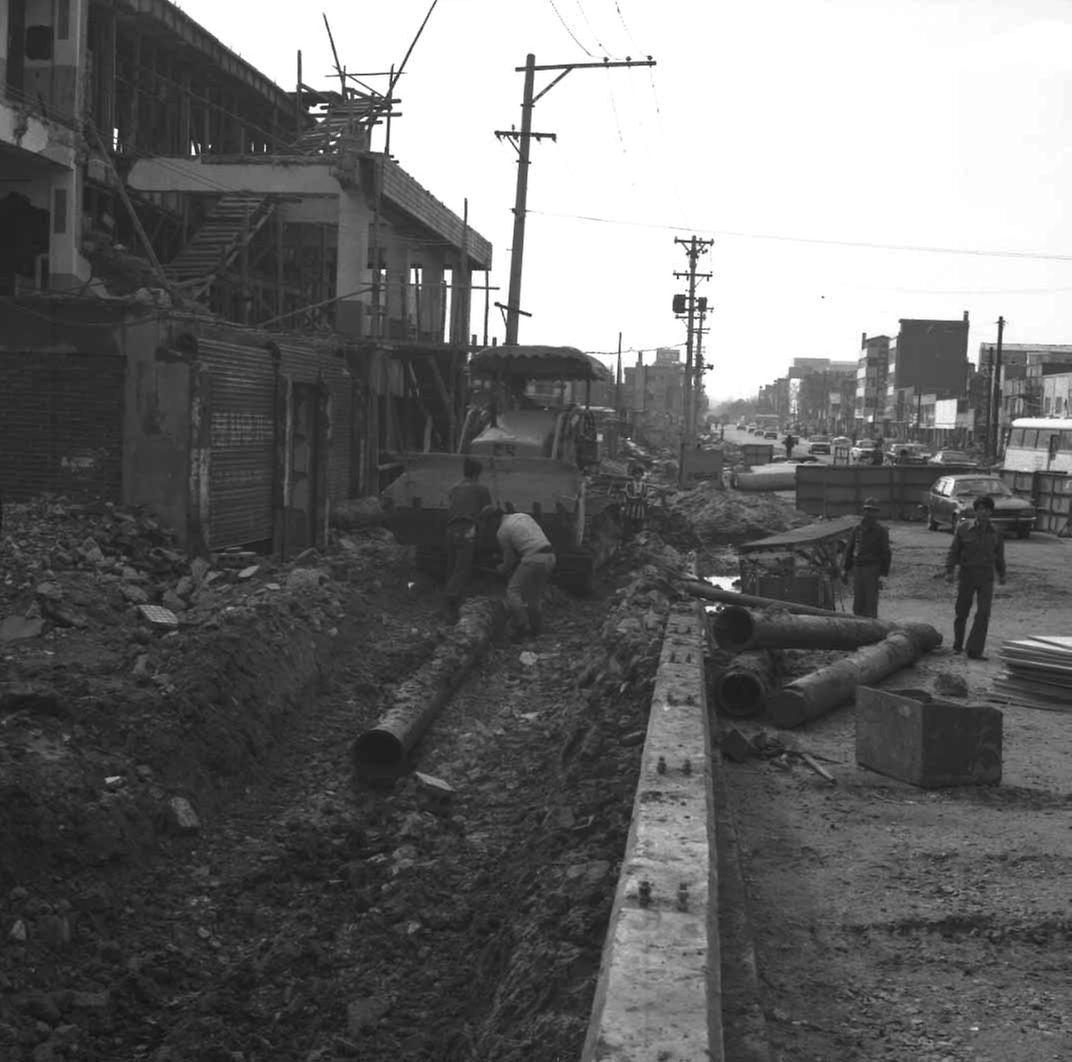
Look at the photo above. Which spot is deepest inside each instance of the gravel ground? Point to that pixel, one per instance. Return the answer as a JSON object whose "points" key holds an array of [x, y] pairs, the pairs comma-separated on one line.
{"points": [[897, 923]]}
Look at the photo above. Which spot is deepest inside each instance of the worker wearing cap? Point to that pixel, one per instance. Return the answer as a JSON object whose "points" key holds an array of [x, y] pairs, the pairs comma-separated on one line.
{"points": [[868, 557], [529, 560]]}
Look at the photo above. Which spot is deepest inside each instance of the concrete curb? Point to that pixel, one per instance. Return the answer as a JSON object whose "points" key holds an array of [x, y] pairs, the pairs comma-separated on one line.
{"points": [[659, 993]]}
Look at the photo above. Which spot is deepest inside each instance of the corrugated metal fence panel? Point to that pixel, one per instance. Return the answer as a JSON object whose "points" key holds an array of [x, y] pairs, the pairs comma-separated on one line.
{"points": [[303, 364], [1054, 501], [242, 442]]}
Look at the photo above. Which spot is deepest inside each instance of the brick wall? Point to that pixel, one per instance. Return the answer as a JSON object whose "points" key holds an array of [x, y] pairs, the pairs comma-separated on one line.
{"points": [[61, 425]]}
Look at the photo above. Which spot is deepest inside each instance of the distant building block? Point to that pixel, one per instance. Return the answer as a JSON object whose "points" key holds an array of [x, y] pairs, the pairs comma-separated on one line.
{"points": [[926, 742]]}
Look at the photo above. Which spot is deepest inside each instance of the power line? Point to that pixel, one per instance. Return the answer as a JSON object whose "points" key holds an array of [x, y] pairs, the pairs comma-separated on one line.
{"points": [[591, 28], [862, 244], [566, 27]]}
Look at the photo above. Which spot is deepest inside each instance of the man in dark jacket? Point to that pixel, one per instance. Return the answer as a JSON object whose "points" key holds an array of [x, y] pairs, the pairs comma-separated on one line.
{"points": [[467, 498], [868, 557], [978, 548]]}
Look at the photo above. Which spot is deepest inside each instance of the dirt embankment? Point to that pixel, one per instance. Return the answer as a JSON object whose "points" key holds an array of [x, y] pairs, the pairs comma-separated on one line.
{"points": [[316, 917]]}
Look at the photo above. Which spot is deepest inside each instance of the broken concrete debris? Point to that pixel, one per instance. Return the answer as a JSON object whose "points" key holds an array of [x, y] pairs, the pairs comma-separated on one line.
{"points": [[182, 817]]}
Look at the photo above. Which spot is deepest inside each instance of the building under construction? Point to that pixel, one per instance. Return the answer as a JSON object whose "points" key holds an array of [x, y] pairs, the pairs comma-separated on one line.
{"points": [[150, 172]]}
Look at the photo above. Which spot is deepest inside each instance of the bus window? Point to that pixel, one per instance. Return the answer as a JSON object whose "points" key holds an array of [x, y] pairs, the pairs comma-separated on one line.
{"points": [[1016, 437], [1066, 440], [1046, 439], [1030, 438]]}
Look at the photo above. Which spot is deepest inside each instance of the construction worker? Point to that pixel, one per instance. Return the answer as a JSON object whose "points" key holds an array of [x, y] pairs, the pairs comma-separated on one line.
{"points": [[529, 560], [466, 500], [868, 557], [635, 510], [978, 548]]}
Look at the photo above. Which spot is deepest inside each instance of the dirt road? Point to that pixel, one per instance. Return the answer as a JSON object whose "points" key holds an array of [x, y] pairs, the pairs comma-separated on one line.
{"points": [[931, 926]]}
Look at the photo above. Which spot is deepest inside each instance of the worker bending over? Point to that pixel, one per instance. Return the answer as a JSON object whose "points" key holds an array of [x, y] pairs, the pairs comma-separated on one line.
{"points": [[529, 560]]}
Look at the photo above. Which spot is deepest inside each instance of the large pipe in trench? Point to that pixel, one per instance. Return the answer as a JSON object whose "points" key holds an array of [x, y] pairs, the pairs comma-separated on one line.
{"points": [[824, 690], [731, 597], [744, 686], [417, 701], [737, 629]]}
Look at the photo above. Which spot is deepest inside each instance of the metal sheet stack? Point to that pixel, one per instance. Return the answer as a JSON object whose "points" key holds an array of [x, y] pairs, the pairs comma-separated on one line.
{"points": [[1037, 674]]}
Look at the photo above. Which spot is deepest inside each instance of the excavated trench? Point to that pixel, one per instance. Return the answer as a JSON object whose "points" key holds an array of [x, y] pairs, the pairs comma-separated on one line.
{"points": [[326, 914]]}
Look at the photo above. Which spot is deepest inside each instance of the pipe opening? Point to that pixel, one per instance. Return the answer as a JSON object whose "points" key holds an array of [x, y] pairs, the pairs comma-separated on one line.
{"points": [[378, 748], [740, 695], [734, 627]]}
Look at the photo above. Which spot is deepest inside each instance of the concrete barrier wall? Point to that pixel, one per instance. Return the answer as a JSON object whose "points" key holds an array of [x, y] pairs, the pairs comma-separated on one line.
{"points": [[837, 490], [659, 990]]}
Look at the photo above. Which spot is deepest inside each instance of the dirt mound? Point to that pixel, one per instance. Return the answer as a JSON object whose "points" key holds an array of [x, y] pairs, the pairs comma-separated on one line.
{"points": [[133, 677], [708, 515]]}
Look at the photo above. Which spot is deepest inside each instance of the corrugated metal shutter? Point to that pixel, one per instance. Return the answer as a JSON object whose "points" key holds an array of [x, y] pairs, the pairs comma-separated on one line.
{"points": [[242, 441]]}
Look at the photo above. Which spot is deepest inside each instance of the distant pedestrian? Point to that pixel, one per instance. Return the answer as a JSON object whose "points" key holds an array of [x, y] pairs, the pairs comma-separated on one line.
{"points": [[529, 560], [867, 558], [466, 500], [877, 454], [978, 549], [790, 442]]}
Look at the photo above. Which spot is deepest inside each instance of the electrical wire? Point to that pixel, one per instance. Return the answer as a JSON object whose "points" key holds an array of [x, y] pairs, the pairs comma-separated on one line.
{"points": [[779, 237], [566, 27], [591, 28]]}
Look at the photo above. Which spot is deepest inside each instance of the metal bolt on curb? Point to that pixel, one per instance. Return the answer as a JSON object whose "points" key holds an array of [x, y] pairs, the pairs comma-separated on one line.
{"points": [[661, 765], [644, 893], [683, 897]]}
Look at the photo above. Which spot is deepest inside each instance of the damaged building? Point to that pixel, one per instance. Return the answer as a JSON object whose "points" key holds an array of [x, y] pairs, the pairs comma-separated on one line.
{"points": [[217, 299]]}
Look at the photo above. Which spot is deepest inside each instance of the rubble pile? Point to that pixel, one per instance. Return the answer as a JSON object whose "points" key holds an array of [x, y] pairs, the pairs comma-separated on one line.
{"points": [[133, 676], [708, 516]]}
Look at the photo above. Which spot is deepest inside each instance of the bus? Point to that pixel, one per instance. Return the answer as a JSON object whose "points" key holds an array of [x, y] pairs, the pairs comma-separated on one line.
{"points": [[1039, 444], [768, 421]]}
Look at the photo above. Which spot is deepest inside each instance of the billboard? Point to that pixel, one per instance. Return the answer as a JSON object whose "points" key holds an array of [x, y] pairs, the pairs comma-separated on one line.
{"points": [[945, 413]]}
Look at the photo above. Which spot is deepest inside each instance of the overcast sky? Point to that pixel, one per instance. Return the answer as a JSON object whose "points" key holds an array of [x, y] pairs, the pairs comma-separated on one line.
{"points": [[834, 150]]}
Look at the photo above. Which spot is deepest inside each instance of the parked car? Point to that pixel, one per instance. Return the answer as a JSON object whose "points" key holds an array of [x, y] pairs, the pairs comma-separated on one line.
{"points": [[770, 433], [863, 452], [841, 442], [951, 498], [742, 426], [953, 457], [819, 444], [906, 453]]}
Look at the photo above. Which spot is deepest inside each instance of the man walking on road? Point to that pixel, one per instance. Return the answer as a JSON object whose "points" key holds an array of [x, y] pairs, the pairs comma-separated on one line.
{"points": [[790, 442], [466, 500], [868, 557], [529, 560], [979, 549]]}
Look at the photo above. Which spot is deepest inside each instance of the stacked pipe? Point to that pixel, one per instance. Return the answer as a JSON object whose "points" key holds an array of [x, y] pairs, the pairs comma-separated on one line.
{"points": [[747, 684]]}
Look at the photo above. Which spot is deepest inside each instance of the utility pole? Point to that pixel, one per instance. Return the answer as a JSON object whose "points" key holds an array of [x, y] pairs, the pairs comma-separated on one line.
{"points": [[522, 140], [687, 305], [618, 382], [995, 395]]}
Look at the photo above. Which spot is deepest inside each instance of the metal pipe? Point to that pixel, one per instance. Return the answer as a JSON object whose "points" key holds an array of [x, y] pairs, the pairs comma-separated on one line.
{"points": [[418, 700], [731, 597], [743, 688], [826, 689], [737, 629]]}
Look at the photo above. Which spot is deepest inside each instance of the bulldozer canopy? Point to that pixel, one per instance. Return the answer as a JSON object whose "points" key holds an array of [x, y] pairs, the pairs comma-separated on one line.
{"points": [[539, 363]]}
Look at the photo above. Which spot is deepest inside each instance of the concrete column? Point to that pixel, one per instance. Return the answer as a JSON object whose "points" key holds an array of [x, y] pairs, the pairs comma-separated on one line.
{"points": [[67, 268], [4, 10], [352, 272], [432, 298], [397, 295]]}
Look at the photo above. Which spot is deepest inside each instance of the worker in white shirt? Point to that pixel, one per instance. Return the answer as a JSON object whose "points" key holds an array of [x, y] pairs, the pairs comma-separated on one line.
{"points": [[529, 560]]}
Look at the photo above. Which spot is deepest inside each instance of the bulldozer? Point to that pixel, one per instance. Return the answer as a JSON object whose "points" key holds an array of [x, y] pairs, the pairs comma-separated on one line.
{"points": [[535, 444]]}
